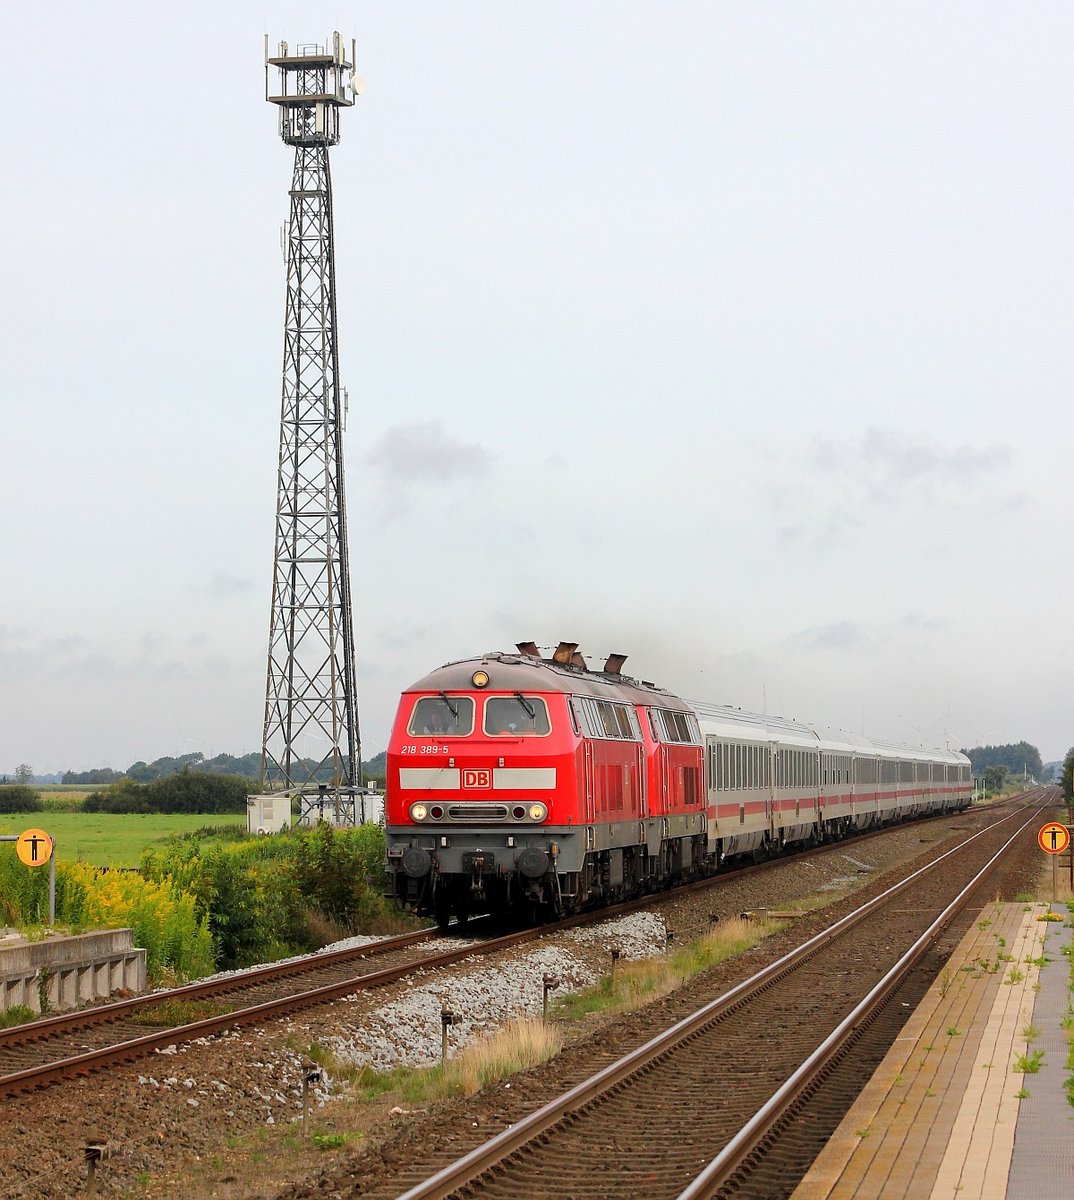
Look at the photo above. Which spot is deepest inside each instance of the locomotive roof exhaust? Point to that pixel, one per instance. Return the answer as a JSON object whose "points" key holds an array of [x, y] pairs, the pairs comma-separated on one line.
{"points": [[565, 653]]}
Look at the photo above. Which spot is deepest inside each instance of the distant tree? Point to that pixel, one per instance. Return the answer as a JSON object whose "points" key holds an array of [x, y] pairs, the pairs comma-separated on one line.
{"points": [[227, 764], [94, 778], [1068, 777], [1017, 757], [24, 774], [160, 767], [187, 792], [375, 770], [994, 777], [18, 798]]}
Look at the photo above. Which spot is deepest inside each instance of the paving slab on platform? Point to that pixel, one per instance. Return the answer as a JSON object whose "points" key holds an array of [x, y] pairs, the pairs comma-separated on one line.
{"points": [[938, 1118], [1042, 1167]]}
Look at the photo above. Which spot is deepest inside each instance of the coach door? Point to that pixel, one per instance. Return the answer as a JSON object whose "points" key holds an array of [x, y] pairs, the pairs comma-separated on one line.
{"points": [[769, 782]]}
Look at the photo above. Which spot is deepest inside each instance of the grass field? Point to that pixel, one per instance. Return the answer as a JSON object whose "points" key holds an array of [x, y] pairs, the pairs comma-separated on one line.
{"points": [[110, 839]]}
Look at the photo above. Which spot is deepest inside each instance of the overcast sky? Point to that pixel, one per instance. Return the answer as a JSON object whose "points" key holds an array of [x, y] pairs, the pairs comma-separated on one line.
{"points": [[736, 337]]}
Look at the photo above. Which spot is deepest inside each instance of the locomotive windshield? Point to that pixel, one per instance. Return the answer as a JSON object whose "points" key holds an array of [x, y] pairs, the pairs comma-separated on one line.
{"points": [[442, 716], [516, 716]]}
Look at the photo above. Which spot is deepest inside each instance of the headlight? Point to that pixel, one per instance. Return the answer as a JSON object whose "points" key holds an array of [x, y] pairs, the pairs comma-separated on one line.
{"points": [[538, 812], [418, 812]]}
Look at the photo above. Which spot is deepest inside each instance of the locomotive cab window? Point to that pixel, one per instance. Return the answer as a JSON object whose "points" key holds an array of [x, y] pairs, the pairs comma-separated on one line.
{"points": [[606, 719], [442, 716], [669, 726], [516, 716]]}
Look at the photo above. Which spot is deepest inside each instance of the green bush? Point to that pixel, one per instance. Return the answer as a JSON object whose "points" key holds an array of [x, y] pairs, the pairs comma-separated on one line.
{"points": [[186, 792], [262, 897], [18, 798]]}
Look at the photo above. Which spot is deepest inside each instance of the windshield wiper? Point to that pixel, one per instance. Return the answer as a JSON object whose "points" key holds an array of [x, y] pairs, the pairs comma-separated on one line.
{"points": [[526, 705], [453, 709]]}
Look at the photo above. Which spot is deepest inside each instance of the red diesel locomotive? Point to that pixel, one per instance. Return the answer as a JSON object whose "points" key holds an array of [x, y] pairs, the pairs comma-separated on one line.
{"points": [[532, 785]]}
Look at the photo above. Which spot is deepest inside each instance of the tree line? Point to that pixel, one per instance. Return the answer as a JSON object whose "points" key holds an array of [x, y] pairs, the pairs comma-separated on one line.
{"points": [[1017, 757], [246, 765]]}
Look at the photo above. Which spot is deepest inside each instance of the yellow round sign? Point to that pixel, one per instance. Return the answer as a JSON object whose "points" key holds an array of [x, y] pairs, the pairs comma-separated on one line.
{"points": [[1053, 838], [34, 847]]}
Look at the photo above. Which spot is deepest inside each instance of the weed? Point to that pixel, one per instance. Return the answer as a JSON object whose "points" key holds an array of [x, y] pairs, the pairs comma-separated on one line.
{"points": [[17, 1014], [1014, 975], [1041, 961], [945, 981], [1030, 1032], [1005, 957], [929, 1092], [1022, 1094], [983, 924], [1028, 1063], [516, 1047], [953, 1032], [638, 983], [178, 1012], [329, 1141]]}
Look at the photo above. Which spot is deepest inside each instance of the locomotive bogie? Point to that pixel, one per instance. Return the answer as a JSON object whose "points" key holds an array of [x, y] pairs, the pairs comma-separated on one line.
{"points": [[536, 787]]}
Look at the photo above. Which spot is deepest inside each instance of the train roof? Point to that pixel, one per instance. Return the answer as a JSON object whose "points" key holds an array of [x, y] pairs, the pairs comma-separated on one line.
{"points": [[720, 720], [527, 670]]}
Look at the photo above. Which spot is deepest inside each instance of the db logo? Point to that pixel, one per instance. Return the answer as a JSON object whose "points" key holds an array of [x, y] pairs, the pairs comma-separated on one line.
{"points": [[477, 779]]}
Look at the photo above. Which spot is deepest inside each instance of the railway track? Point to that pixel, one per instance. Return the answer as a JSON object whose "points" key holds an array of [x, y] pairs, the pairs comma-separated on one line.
{"points": [[717, 1104], [72, 1045]]}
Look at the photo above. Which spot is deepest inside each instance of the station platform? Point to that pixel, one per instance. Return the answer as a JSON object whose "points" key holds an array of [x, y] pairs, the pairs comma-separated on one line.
{"points": [[950, 1114]]}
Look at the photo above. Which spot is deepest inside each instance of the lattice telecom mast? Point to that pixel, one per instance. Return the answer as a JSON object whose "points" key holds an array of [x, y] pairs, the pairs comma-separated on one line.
{"points": [[311, 742]]}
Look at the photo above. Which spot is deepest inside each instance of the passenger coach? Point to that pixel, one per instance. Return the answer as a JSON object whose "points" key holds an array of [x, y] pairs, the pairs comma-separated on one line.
{"points": [[537, 786]]}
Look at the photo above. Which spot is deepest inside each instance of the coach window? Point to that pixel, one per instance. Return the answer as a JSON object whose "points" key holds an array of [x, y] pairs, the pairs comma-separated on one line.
{"points": [[516, 716], [442, 716]]}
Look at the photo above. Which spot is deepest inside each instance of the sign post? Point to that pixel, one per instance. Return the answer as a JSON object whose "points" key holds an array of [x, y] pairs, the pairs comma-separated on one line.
{"points": [[1053, 839], [35, 848]]}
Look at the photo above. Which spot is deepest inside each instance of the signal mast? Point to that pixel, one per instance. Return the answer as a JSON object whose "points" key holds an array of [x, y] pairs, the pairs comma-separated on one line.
{"points": [[311, 745]]}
